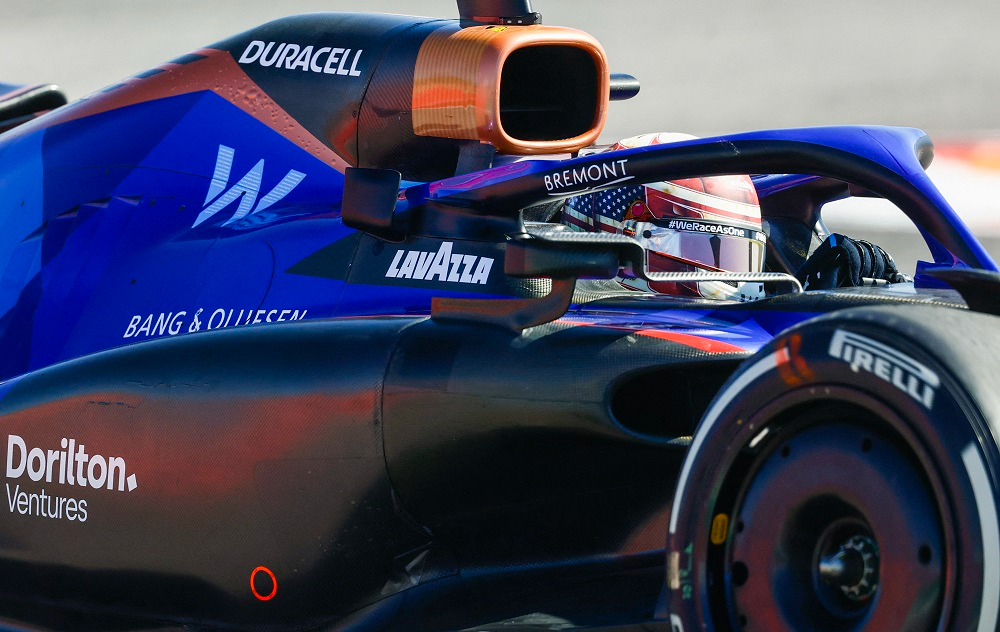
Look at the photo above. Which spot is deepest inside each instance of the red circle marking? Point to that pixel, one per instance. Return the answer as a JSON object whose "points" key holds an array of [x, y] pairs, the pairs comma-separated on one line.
{"points": [[274, 583]]}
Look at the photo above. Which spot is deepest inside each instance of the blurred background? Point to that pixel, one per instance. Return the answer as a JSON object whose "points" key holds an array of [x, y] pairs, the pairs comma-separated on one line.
{"points": [[706, 68]]}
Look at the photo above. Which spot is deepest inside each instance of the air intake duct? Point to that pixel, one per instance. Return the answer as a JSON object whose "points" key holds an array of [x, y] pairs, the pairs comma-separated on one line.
{"points": [[524, 90], [404, 93]]}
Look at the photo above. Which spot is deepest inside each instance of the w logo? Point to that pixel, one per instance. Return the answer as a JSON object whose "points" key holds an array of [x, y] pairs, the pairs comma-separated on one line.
{"points": [[246, 190]]}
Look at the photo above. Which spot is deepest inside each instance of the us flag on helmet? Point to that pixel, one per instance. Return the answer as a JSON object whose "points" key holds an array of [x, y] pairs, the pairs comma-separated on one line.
{"points": [[616, 205]]}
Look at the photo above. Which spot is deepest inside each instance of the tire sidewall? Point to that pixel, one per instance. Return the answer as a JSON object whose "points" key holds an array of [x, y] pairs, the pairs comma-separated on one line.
{"points": [[813, 361]]}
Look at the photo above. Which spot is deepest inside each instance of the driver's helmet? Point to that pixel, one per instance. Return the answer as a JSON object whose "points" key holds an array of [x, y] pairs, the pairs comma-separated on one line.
{"points": [[695, 224]]}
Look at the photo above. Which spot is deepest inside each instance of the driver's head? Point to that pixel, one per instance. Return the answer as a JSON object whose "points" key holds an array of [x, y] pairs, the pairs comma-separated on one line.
{"points": [[696, 224]]}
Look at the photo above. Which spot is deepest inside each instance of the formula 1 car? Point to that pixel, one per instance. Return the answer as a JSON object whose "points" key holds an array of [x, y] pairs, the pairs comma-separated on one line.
{"points": [[286, 344]]}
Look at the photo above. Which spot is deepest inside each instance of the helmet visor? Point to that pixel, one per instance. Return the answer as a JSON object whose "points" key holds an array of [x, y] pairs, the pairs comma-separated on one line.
{"points": [[707, 245]]}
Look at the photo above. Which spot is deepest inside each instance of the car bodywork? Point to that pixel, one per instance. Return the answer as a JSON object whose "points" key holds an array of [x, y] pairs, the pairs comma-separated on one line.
{"points": [[397, 408]]}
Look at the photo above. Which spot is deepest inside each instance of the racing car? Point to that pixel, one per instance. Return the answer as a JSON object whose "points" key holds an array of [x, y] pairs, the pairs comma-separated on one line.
{"points": [[346, 323]]}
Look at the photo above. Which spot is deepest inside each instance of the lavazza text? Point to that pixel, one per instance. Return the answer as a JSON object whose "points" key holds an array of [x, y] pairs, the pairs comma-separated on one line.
{"points": [[71, 465]]}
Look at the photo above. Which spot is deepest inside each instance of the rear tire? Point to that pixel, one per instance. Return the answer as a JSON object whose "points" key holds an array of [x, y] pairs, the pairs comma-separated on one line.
{"points": [[844, 480]]}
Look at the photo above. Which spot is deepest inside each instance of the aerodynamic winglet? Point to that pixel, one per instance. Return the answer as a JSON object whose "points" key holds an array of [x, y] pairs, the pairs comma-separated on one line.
{"points": [[369, 202]]}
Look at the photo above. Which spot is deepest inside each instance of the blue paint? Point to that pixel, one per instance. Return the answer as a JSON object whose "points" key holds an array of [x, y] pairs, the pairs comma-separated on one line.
{"points": [[102, 245]]}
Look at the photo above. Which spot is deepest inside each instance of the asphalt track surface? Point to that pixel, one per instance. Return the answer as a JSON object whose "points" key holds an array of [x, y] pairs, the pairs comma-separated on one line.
{"points": [[706, 68]]}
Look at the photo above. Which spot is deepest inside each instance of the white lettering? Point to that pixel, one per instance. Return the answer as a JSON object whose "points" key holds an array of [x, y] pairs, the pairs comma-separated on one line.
{"points": [[886, 363], [406, 270], [69, 464], [172, 323], [718, 229], [176, 323], [289, 56], [264, 61], [862, 360], [286, 58], [439, 267], [331, 62], [81, 461], [423, 265], [453, 275], [603, 174], [131, 329], [14, 441], [343, 60], [354, 66], [467, 262], [393, 270], [443, 265], [53, 458], [314, 63], [36, 455], [45, 505], [117, 464], [146, 324], [882, 369], [97, 481], [90, 470], [252, 52], [162, 321], [482, 275], [303, 59], [221, 313]]}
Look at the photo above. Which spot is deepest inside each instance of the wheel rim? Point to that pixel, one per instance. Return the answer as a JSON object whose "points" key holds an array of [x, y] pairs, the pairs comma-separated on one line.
{"points": [[835, 528]]}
